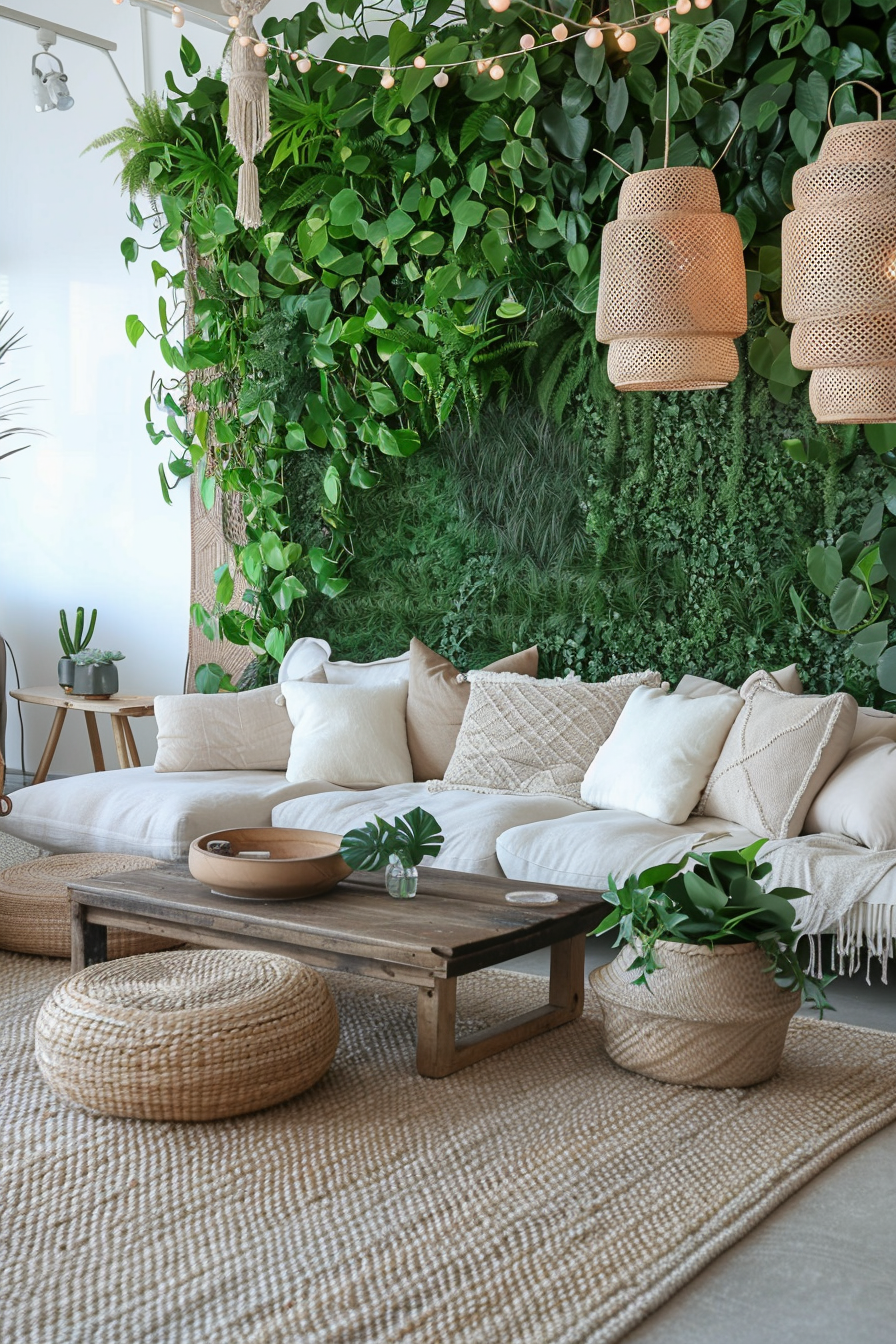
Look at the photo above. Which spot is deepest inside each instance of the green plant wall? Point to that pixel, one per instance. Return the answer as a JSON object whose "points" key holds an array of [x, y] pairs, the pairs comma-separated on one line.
{"points": [[659, 531]]}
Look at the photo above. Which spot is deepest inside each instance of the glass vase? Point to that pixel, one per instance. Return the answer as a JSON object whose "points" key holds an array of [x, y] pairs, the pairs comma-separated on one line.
{"points": [[401, 879]]}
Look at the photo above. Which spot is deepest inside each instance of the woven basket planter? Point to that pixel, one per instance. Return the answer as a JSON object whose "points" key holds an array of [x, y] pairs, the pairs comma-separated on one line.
{"points": [[839, 274], [35, 911], [711, 1017], [673, 289], [193, 1035]]}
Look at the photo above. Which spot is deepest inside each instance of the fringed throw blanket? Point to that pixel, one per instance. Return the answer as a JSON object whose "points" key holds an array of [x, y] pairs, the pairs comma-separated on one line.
{"points": [[840, 874]]}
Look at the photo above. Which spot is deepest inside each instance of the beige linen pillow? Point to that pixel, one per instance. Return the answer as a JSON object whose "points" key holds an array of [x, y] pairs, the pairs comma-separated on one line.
{"points": [[525, 736], [354, 736], [778, 754], [437, 698], [873, 723], [787, 678], [859, 799], [660, 753], [248, 730]]}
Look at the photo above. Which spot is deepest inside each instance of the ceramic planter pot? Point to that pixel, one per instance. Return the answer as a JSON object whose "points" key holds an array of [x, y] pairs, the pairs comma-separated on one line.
{"points": [[97, 680], [65, 671], [712, 1017]]}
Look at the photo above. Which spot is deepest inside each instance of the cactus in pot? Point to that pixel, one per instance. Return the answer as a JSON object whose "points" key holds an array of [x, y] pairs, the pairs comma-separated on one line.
{"points": [[96, 676], [72, 644]]}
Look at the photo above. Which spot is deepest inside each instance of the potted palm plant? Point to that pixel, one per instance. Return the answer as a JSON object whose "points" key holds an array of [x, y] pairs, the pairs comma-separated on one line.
{"points": [[96, 676], [72, 644], [710, 973]]}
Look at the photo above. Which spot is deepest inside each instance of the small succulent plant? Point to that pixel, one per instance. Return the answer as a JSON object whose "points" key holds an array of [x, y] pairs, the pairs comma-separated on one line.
{"points": [[85, 657], [74, 643]]}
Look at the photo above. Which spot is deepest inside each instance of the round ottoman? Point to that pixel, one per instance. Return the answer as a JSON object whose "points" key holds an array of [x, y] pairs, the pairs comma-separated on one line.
{"points": [[35, 913], [192, 1035]]}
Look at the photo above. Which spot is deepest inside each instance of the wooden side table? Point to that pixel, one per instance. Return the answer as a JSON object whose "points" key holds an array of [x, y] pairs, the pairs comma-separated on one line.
{"points": [[120, 709]]}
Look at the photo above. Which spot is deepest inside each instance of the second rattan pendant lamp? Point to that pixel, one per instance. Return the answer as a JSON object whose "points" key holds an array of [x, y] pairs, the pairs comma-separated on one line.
{"points": [[673, 288], [839, 273]]}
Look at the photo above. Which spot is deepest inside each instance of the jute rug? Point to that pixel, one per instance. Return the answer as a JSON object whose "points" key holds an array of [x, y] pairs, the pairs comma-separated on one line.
{"points": [[540, 1196]]}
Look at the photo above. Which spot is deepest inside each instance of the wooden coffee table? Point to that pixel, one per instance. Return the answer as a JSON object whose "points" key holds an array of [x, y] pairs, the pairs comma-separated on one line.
{"points": [[457, 923]]}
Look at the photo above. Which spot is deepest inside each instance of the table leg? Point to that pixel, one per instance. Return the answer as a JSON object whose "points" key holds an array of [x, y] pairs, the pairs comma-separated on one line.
{"points": [[439, 1053], [129, 739], [88, 940], [46, 760], [93, 733], [121, 745]]}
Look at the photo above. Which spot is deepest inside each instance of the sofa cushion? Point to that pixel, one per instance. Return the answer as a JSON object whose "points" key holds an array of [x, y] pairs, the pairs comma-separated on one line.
{"points": [[354, 735], [660, 753], [859, 799], [581, 851], [247, 731], [437, 699], [777, 756], [470, 822], [141, 812]]}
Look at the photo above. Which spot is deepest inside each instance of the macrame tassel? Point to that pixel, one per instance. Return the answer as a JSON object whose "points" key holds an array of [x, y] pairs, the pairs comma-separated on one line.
{"points": [[249, 111], [248, 205]]}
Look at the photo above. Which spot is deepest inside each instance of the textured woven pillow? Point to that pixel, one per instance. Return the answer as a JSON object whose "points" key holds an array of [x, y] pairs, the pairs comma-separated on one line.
{"points": [[437, 699], [777, 756], [525, 736]]}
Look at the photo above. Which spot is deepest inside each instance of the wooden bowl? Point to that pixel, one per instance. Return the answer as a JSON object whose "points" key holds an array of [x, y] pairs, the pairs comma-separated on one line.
{"points": [[302, 863]]}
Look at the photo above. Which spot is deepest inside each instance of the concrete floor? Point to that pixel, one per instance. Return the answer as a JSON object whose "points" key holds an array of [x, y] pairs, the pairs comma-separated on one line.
{"points": [[822, 1266]]}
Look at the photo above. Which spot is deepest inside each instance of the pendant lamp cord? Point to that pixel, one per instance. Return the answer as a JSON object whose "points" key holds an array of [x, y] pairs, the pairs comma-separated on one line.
{"points": [[727, 147], [845, 85], [668, 86]]}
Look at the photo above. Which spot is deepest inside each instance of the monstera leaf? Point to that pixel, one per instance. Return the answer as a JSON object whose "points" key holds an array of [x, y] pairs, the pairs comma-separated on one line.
{"points": [[411, 837]]}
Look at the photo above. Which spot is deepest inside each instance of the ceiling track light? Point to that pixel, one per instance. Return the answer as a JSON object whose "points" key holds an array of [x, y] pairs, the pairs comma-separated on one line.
{"points": [[50, 86]]}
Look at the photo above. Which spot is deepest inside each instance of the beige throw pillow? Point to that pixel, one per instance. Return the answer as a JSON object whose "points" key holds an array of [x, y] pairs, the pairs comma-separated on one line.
{"points": [[248, 730], [437, 698], [660, 753], [693, 687], [777, 756], [873, 723], [525, 736], [859, 799], [353, 736]]}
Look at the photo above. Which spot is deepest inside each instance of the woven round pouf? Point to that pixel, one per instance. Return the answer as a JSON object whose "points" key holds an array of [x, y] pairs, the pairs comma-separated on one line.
{"points": [[35, 912], [193, 1035]]}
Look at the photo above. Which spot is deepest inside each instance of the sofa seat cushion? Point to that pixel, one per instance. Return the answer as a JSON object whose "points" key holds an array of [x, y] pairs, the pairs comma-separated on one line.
{"points": [[581, 851], [470, 822], [142, 812]]}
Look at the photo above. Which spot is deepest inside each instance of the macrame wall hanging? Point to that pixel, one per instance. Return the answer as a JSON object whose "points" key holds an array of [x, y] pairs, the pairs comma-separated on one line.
{"points": [[839, 273], [249, 110], [673, 286]]}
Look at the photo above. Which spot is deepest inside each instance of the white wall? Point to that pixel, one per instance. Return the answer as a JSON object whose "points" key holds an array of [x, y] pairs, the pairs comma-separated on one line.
{"points": [[82, 519]]}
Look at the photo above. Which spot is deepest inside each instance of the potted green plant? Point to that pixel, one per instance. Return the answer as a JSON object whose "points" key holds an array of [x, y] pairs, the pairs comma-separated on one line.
{"points": [[398, 846], [96, 676], [710, 973], [72, 644]]}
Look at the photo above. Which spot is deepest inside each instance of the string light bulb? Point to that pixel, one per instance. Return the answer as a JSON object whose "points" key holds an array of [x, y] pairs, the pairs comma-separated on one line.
{"points": [[245, 41], [419, 62], [304, 65], [627, 41], [703, 4], [593, 37], [177, 16], [440, 80], [234, 19], [496, 71], [560, 32], [387, 81], [499, 6], [342, 69], [683, 7], [662, 23], [527, 42]]}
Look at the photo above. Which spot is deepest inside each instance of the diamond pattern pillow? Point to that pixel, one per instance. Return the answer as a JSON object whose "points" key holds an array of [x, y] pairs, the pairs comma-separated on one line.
{"points": [[520, 735], [777, 756]]}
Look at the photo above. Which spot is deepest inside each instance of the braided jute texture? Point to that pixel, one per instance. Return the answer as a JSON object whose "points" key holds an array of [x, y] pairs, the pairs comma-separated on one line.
{"points": [[35, 912], [543, 1196], [202, 1034]]}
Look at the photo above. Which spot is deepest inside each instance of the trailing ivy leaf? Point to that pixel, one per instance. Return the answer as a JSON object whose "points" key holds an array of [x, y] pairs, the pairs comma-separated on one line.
{"points": [[134, 328]]}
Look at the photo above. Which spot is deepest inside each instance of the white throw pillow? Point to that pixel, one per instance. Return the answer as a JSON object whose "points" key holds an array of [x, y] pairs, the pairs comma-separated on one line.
{"points": [[859, 799], [302, 658], [661, 753], [354, 736], [384, 672], [248, 730]]}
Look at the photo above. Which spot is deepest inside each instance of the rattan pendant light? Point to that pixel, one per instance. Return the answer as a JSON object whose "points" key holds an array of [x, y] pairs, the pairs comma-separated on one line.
{"points": [[673, 288], [839, 274]]}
